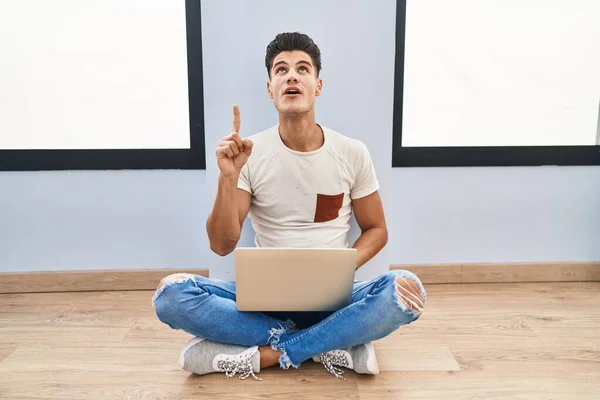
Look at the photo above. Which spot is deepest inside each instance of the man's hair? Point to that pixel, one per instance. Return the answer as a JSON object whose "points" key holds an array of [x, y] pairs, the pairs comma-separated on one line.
{"points": [[290, 41]]}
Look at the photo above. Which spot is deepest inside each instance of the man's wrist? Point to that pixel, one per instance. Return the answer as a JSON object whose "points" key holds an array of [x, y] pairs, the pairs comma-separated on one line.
{"points": [[229, 179]]}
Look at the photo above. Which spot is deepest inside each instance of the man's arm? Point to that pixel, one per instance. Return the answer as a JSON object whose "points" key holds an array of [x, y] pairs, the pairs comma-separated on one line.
{"points": [[369, 215], [224, 224]]}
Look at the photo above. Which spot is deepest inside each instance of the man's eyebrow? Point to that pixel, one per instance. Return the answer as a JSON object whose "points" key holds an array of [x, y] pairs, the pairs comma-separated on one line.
{"points": [[284, 62], [279, 62], [305, 62]]}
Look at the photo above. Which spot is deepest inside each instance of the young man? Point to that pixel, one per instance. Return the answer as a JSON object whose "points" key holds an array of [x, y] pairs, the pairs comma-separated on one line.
{"points": [[299, 182]]}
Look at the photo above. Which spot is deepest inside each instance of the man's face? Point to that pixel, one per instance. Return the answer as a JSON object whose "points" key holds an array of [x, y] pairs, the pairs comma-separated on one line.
{"points": [[294, 83]]}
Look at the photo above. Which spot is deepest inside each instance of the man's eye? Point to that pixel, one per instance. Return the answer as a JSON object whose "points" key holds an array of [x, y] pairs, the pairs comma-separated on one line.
{"points": [[304, 68], [280, 69]]}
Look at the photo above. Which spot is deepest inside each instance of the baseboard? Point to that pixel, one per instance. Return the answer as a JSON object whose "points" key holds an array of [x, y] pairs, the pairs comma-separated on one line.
{"points": [[504, 272], [112, 280], [85, 281]]}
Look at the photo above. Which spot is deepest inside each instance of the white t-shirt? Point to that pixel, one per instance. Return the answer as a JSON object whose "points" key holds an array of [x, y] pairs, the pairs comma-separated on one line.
{"points": [[303, 199]]}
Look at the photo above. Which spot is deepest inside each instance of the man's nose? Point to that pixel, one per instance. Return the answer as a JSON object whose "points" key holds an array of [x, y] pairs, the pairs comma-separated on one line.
{"points": [[292, 77]]}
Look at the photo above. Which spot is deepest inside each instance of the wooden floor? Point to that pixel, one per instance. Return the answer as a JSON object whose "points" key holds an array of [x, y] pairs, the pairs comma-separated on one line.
{"points": [[477, 341]]}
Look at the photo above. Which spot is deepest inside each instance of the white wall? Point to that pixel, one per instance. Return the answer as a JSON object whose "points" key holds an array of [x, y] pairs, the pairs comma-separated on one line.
{"points": [[75, 220], [155, 219], [445, 215]]}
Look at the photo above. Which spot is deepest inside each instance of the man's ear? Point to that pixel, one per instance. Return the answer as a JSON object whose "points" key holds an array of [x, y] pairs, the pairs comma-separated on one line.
{"points": [[269, 89], [319, 87]]}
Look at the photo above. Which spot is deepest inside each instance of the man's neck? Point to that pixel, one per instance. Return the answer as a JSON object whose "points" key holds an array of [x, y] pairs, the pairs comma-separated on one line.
{"points": [[300, 133]]}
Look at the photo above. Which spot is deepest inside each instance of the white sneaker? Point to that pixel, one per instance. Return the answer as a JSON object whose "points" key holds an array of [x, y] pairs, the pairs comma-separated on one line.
{"points": [[361, 359], [202, 356]]}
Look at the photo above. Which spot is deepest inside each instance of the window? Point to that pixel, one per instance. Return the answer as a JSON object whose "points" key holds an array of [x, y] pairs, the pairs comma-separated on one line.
{"points": [[488, 83], [101, 85]]}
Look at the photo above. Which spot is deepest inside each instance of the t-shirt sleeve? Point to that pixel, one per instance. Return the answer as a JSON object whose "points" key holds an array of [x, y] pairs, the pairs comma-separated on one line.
{"points": [[365, 178], [244, 179]]}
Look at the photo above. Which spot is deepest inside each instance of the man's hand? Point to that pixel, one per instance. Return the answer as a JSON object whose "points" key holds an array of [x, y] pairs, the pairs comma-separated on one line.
{"points": [[233, 151]]}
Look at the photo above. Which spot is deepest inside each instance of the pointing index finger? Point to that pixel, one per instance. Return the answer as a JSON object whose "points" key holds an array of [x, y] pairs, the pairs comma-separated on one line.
{"points": [[236, 118]]}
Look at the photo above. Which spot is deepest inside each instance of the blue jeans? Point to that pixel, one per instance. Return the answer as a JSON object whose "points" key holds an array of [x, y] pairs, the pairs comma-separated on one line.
{"points": [[206, 308]]}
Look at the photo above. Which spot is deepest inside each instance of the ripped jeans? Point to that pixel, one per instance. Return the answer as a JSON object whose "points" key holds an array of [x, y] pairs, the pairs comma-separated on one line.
{"points": [[206, 308]]}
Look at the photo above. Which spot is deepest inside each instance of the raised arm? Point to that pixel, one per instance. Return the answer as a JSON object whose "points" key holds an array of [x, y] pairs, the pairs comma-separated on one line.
{"points": [[224, 224]]}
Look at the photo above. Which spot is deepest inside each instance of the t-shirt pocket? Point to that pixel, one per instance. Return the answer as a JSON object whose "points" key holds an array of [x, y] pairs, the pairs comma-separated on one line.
{"points": [[328, 206]]}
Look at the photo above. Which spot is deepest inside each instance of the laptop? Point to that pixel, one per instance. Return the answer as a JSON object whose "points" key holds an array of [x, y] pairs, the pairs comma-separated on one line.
{"points": [[293, 279]]}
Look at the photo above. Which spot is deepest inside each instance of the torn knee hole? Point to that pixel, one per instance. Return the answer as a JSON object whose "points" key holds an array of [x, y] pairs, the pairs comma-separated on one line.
{"points": [[174, 277], [409, 294]]}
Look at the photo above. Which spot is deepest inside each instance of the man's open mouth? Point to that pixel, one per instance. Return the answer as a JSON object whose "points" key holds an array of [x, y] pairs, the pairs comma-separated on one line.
{"points": [[292, 91]]}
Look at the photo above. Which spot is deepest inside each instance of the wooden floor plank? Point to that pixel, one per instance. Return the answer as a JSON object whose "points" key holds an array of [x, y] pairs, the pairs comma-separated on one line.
{"points": [[26, 333], [505, 385], [150, 329], [414, 354], [6, 348]]}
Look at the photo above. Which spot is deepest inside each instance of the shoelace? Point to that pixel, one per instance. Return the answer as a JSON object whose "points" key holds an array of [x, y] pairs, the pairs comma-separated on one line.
{"points": [[333, 358], [239, 364]]}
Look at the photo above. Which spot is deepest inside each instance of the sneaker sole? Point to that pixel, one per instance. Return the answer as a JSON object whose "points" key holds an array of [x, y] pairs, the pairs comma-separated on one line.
{"points": [[191, 343]]}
